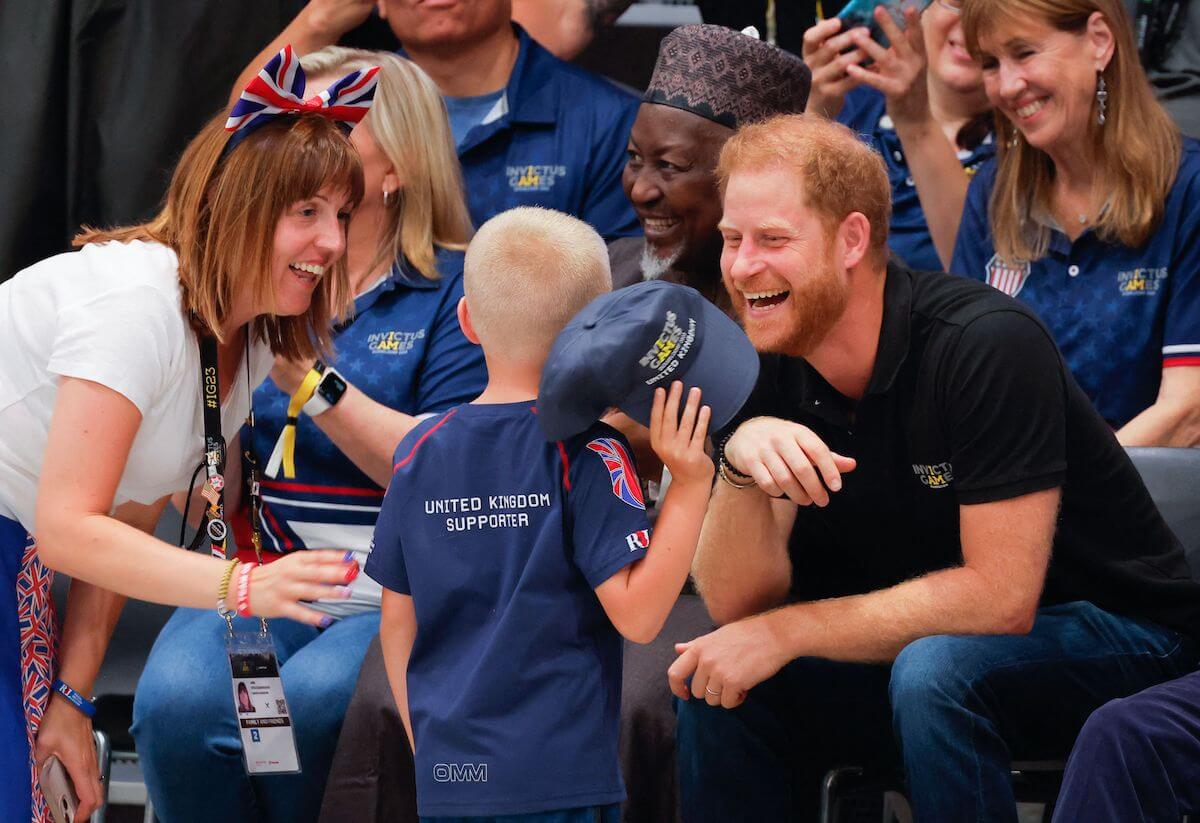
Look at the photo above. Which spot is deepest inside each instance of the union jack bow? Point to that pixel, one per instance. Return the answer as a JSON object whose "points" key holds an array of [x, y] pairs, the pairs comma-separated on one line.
{"points": [[279, 90]]}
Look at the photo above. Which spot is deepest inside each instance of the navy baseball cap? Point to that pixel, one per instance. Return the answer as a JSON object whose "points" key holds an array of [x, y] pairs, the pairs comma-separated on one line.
{"points": [[627, 343]]}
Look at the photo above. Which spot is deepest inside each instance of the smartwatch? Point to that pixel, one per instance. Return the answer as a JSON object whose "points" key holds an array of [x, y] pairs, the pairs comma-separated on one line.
{"points": [[328, 392]]}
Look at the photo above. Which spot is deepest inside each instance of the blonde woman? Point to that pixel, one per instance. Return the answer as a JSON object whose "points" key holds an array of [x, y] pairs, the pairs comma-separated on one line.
{"points": [[399, 354], [100, 418], [1091, 212]]}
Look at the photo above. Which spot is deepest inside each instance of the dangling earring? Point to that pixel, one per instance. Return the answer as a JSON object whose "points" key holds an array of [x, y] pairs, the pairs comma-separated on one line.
{"points": [[1015, 140], [1102, 97], [390, 198]]}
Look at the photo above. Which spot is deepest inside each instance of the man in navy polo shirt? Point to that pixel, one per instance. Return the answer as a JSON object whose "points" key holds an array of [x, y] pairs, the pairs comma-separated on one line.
{"points": [[531, 129]]}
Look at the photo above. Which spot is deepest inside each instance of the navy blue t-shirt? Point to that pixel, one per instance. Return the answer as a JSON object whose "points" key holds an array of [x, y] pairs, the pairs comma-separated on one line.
{"points": [[560, 143], [1119, 315], [501, 537], [865, 112]]}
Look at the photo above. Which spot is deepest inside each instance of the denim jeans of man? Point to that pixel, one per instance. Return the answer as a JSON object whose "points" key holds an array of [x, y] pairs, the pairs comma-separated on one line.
{"points": [[955, 709], [186, 731]]}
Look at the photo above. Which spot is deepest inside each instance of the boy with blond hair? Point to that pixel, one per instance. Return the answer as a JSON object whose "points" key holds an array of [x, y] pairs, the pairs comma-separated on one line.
{"points": [[512, 565]]}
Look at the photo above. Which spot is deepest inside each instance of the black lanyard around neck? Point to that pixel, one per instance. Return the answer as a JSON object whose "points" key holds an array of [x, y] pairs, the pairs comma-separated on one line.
{"points": [[213, 524]]}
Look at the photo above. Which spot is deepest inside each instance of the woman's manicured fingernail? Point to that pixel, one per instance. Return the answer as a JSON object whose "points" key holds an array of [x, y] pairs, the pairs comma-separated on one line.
{"points": [[348, 556], [343, 592], [351, 572], [326, 622]]}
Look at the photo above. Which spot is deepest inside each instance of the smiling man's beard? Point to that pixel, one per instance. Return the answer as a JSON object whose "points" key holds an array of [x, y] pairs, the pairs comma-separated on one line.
{"points": [[653, 266], [816, 302]]}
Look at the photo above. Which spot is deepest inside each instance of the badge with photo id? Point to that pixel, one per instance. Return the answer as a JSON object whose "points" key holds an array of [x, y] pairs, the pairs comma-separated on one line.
{"points": [[264, 721]]}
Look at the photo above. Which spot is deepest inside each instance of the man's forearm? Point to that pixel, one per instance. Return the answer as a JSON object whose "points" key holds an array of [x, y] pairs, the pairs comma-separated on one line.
{"points": [[741, 565], [874, 627]]}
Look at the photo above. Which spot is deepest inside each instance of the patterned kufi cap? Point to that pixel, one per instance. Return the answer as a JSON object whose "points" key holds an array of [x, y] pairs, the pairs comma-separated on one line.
{"points": [[726, 76]]}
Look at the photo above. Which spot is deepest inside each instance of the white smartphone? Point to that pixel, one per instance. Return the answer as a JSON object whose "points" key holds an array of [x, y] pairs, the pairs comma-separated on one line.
{"points": [[59, 791]]}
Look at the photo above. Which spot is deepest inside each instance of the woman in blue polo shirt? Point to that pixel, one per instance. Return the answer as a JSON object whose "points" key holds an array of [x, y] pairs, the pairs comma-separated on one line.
{"points": [[1091, 211], [401, 354], [921, 105]]}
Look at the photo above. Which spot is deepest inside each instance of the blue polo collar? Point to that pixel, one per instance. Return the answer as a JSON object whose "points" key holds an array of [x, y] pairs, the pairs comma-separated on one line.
{"points": [[529, 99], [402, 275]]}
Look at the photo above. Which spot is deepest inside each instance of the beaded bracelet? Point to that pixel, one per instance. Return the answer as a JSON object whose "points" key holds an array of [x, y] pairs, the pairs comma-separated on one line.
{"points": [[76, 699], [243, 589], [727, 472], [223, 588]]}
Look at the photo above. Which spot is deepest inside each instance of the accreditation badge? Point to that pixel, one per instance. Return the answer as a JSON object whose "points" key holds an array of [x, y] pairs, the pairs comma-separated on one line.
{"points": [[264, 722]]}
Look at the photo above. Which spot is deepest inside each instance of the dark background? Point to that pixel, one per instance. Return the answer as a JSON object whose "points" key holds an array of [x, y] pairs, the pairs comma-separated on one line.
{"points": [[102, 96]]}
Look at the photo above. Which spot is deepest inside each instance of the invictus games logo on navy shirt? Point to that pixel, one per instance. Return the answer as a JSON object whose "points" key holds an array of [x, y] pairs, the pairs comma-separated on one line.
{"points": [[1007, 277], [625, 483], [534, 178], [1140, 282], [394, 342], [669, 350], [936, 476]]}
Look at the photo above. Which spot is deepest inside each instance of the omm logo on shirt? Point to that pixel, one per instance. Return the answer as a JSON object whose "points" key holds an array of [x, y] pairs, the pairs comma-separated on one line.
{"points": [[937, 476]]}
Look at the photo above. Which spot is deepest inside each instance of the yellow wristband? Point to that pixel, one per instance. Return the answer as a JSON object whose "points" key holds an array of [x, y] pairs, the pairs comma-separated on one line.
{"points": [[285, 448], [223, 588]]}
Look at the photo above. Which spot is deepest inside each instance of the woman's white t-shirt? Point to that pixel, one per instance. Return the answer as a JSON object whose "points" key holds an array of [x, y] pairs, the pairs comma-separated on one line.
{"points": [[111, 314]]}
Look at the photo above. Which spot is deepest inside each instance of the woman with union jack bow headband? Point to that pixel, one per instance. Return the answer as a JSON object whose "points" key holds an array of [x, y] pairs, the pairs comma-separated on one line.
{"points": [[400, 354], [105, 367]]}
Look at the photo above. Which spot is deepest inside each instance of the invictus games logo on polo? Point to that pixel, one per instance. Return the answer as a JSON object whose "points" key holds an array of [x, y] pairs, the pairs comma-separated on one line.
{"points": [[671, 347], [1007, 277], [534, 178], [460, 772], [937, 476], [394, 342], [1140, 282]]}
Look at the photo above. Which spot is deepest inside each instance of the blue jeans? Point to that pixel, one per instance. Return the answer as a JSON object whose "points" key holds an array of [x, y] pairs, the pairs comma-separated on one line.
{"points": [[1137, 758], [185, 728], [959, 709]]}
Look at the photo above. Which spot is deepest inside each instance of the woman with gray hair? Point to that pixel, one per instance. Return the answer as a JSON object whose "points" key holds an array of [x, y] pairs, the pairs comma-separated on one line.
{"points": [[325, 433]]}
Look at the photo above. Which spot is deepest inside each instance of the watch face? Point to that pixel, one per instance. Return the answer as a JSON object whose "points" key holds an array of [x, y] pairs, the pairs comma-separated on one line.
{"points": [[332, 387]]}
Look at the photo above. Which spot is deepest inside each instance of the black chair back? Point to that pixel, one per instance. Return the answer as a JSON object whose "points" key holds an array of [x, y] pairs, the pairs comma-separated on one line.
{"points": [[1173, 478]]}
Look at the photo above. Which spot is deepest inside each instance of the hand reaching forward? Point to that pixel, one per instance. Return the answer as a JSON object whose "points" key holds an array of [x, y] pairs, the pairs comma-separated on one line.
{"points": [[785, 458]]}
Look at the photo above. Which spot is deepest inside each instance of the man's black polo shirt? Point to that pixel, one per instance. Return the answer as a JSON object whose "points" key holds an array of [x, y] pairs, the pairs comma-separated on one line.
{"points": [[970, 402]]}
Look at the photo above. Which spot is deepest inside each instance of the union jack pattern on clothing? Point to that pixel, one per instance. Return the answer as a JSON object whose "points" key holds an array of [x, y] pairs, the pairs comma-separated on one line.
{"points": [[39, 645], [625, 484], [279, 89]]}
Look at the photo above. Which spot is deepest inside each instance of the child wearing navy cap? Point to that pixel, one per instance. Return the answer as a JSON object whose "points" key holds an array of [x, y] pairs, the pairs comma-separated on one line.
{"points": [[513, 565]]}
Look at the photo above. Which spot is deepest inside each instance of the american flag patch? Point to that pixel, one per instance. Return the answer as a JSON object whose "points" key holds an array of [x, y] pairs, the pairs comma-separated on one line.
{"points": [[1007, 277]]}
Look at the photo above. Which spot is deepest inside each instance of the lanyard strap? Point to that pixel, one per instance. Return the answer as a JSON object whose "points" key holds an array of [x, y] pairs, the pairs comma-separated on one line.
{"points": [[213, 492], [214, 452]]}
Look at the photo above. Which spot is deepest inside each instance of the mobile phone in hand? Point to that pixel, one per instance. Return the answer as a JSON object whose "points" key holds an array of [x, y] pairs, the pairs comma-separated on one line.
{"points": [[59, 791], [862, 13]]}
